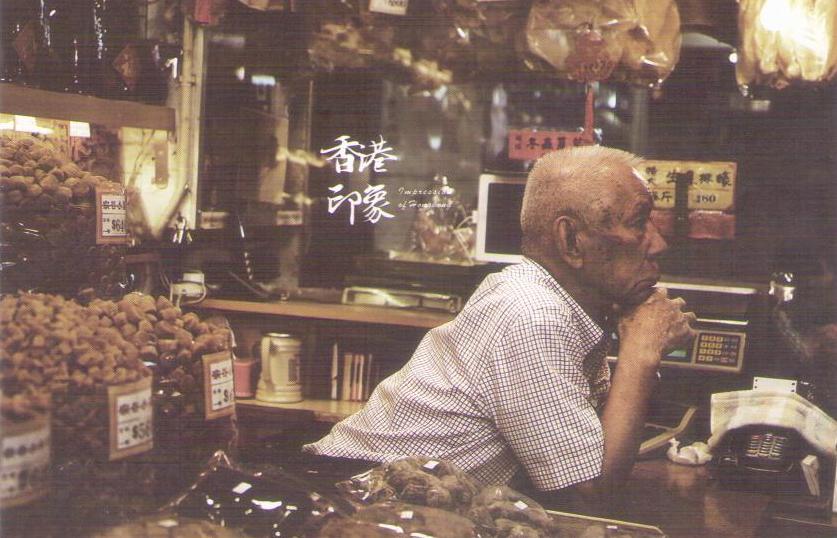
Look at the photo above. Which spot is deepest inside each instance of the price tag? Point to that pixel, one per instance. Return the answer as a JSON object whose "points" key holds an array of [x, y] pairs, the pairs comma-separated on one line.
{"points": [[24, 462], [711, 184], [111, 218], [390, 7], [218, 387], [131, 412]]}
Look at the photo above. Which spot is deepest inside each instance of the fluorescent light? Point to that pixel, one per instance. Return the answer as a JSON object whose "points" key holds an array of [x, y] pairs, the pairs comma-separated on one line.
{"points": [[263, 80], [28, 124], [80, 129]]}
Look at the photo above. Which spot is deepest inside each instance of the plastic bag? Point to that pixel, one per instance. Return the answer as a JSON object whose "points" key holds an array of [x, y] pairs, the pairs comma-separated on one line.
{"points": [[492, 510], [473, 37], [400, 519], [423, 481], [168, 526], [274, 503], [502, 511], [785, 40], [177, 346], [56, 237], [350, 37], [441, 230], [57, 346], [589, 40]]}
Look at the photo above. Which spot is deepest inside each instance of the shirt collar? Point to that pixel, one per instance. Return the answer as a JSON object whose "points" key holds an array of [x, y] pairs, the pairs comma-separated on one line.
{"points": [[591, 333]]}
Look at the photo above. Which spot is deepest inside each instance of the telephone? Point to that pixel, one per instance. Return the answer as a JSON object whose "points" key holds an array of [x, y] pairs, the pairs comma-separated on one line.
{"points": [[763, 458]]}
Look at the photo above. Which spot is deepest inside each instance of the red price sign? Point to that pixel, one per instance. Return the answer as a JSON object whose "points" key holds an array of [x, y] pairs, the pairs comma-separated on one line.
{"points": [[528, 144]]}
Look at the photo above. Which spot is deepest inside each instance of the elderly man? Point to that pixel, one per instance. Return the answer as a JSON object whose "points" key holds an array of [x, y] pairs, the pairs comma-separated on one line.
{"points": [[518, 381]]}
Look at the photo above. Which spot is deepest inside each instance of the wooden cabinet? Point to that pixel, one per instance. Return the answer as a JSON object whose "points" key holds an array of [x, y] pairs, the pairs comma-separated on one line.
{"points": [[319, 325]]}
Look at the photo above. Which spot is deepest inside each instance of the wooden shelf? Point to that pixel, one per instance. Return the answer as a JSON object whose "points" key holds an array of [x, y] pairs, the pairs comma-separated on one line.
{"points": [[323, 410], [24, 101], [337, 312]]}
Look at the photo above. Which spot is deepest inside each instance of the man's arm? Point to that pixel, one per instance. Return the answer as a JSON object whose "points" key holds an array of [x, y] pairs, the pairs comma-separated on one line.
{"points": [[645, 333]]}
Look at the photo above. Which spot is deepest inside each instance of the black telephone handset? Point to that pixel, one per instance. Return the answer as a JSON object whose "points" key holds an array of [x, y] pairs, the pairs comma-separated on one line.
{"points": [[763, 458]]}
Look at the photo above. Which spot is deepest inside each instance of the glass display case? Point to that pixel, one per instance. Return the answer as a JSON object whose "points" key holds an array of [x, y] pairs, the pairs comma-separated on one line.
{"points": [[277, 100]]}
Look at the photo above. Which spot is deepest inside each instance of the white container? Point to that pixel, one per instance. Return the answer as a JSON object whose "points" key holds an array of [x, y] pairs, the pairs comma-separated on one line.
{"points": [[279, 381]]}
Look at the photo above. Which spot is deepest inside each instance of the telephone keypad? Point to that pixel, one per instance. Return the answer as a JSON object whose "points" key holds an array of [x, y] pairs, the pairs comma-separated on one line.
{"points": [[767, 445]]}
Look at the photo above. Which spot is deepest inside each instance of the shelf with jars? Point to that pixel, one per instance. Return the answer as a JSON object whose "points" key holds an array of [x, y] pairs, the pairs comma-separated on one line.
{"points": [[108, 48]]}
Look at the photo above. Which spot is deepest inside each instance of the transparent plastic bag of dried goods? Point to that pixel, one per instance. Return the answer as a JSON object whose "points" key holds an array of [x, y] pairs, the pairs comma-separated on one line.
{"points": [[392, 518], [502, 511], [785, 40], [62, 229], [176, 346], [260, 503], [584, 40], [424, 481], [100, 410]]}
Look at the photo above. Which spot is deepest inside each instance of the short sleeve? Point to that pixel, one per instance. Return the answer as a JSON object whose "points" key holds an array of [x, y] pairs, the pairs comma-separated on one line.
{"points": [[540, 399]]}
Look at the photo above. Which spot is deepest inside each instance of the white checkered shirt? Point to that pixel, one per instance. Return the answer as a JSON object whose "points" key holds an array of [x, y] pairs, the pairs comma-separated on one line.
{"points": [[514, 380]]}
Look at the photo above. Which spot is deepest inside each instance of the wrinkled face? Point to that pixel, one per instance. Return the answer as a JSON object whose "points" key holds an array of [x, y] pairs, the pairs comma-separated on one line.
{"points": [[620, 259]]}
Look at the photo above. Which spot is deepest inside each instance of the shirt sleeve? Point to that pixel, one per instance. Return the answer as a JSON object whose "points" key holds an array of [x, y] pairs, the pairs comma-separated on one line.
{"points": [[541, 400]]}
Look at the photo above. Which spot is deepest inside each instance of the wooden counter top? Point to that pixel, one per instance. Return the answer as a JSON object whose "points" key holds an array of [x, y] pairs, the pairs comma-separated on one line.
{"points": [[687, 501], [336, 312], [322, 410]]}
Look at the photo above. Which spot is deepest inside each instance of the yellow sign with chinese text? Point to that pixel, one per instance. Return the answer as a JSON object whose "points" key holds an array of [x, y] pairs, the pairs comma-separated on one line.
{"points": [[711, 184]]}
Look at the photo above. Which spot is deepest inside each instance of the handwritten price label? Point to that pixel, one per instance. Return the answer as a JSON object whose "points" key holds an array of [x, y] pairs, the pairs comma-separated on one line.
{"points": [[218, 386], [131, 412], [111, 217], [24, 462], [390, 7]]}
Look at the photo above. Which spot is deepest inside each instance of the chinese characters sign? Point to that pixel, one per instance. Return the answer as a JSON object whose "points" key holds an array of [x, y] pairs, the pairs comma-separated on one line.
{"points": [[219, 392], [346, 155], [24, 462], [131, 412], [528, 144], [348, 151], [374, 198], [111, 217], [711, 184]]}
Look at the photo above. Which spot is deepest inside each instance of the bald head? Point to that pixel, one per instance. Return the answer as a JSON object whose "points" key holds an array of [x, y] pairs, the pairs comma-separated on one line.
{"points": [[581, 182]]}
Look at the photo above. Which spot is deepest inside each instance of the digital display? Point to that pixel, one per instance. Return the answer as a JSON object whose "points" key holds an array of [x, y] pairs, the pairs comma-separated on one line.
{"points": [[711, 350], [678, 355]]}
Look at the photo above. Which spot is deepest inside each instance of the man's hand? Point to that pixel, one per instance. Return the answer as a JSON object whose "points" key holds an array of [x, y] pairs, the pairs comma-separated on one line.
{"points": [[656, 326], [646, 332]]}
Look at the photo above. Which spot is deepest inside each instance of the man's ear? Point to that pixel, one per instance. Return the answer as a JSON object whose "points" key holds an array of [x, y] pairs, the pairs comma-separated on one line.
{"points": [[565, 233]]}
